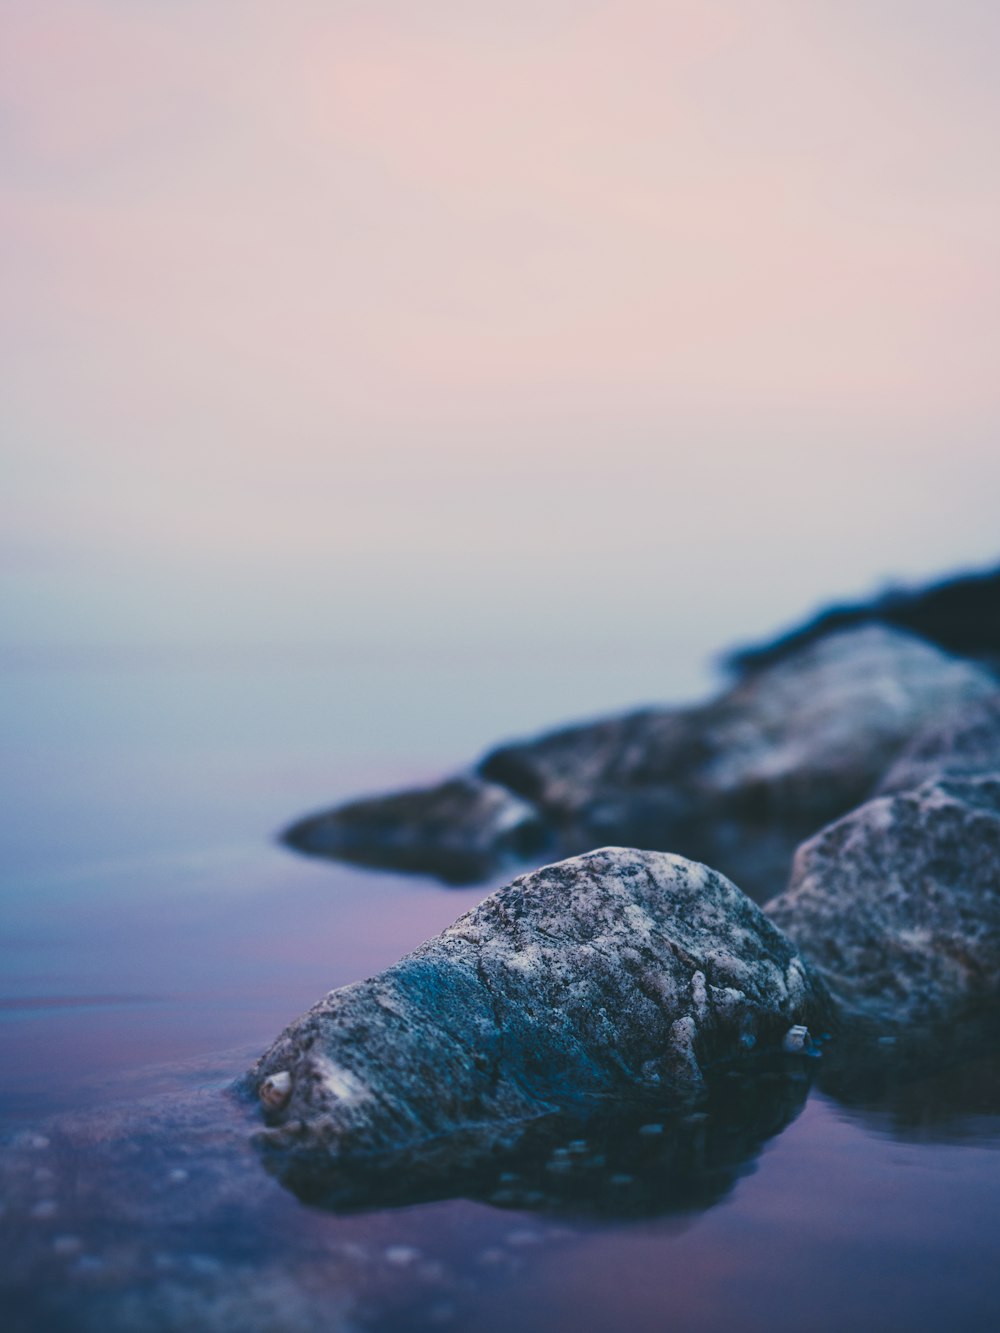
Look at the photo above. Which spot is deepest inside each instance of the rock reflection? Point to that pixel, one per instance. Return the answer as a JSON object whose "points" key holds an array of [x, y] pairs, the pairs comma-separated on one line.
{"points": [[641, 1160], [155, 1213], [924, 1085]]}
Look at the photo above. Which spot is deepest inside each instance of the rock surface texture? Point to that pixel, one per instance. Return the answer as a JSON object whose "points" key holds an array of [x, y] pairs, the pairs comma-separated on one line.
{"points": [[965, 743], [740, 781], [737, 782], [461, 830], [615, 975], [897, 905]]}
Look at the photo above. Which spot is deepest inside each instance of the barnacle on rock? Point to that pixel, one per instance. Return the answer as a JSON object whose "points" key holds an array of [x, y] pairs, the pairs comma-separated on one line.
{"points": [[275, 1090]]}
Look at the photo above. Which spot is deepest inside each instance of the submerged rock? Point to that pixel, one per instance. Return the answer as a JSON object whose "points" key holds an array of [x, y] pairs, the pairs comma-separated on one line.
{"points": [[964, 744], [612, 977], [961, 615], [461, 831], [897, 905]]}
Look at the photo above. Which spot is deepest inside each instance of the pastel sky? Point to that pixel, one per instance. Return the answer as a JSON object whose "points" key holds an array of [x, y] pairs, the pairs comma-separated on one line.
{"points": [[457, 322]]}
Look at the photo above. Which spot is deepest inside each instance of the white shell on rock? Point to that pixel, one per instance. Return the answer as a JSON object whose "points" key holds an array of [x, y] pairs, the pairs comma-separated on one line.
{"points": [[276, 1089], [797, 1039]]}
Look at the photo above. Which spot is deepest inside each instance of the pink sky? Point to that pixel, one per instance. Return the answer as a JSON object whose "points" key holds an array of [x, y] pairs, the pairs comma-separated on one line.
{"points": [[470, 319]]}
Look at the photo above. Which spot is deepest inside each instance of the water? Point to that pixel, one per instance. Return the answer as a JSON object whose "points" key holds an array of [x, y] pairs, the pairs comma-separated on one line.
{"points": [[154, 938]]}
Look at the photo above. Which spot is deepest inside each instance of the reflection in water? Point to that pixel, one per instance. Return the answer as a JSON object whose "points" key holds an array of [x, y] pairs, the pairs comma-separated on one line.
{"points": [[146, 876], [612, 1161], [921, 1085], [156, 1213]]}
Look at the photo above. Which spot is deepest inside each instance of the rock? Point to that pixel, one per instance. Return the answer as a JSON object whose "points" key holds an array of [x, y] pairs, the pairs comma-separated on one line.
{"points": [[737, 782], [965, 744], [961, 615], [897, 905], [615, 976], [740, 781], [462, 831], [565, 771]]}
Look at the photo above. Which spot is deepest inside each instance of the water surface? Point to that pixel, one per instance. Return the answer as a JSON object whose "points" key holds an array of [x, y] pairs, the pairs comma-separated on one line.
{"points": [[155, 937]]}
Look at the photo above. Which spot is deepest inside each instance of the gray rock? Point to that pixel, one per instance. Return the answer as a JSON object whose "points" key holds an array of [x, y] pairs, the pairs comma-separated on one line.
{"points": [[897, 905], [461, 831], [737, 782], [740, 781], [564, 771], [964, 744], [615, 975]]}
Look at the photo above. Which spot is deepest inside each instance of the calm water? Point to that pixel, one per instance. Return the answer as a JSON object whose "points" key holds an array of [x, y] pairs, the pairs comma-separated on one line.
{"points": [[154, 937]]}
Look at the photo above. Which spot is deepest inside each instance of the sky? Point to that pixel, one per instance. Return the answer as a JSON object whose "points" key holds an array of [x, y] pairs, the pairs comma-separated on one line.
{"points": [[545, 326]]}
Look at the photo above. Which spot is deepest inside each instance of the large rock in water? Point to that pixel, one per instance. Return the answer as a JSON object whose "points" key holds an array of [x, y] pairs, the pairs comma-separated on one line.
{"points": [[897, 905], [737, 782], [607, 978], [740, 781]]}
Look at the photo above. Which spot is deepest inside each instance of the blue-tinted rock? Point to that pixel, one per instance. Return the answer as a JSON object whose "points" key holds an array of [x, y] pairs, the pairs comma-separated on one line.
{"points": [[599, 980]]}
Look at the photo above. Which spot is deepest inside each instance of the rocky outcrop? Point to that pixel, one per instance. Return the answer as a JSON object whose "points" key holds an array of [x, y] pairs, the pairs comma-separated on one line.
{"points": [[740, 781], [897, 905], [737, 782], [461, 831], [960, 615], [615, 976], [965, 744]]}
